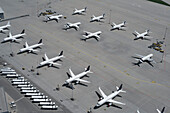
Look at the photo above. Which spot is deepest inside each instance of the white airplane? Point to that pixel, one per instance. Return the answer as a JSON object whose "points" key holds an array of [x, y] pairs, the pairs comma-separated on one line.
{"points": [[51, 62], [162, 111], [31, 49], [5, 28], [14, 38], [51, 17], [118, 26], [142, 59], [143, 36], [79, 12], [72, 25], [98, 18], [89, 35], [104, 99], [77, 78]]}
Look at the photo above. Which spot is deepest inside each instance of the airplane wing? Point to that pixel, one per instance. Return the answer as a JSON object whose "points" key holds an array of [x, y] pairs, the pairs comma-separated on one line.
{"points": [[26, 45], [103, 94], [97, 36], [115, 102], [81, 80], [46, 58], [137, 33], [72, 74], [140, 56], [113, 23]]}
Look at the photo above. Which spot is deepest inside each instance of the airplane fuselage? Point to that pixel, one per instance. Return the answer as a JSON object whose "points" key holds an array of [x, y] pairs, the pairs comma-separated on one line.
{"points": [[148, 57], [55, 17], [50, 60], [79, 11], [30, 47], [14, 37]]}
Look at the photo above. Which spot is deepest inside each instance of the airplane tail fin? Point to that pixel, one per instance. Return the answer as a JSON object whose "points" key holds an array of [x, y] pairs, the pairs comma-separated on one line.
{"points": [[61, 53], [124, 22], [88, 69], [40, 41], [103, 14], [85, 8], [120, 88], [163, 110], [147, 30], [23, 31]]}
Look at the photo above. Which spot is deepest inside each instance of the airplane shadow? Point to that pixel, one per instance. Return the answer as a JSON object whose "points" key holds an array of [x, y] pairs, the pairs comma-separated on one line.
{"points": [[10, 42], [47, 66], [27, 53], [115, 106]]}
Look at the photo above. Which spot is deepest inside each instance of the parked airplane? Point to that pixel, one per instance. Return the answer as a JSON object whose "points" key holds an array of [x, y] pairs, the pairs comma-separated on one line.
{"points": [[77, 78], [98, 18], [118, 26], [72, 25], [5, 28], [104, 99], [162, 111], [50, 62], [143, 36], [30, 49], [51, 17], [89, 35], [14, 38], [142, 59], [79, 12]]}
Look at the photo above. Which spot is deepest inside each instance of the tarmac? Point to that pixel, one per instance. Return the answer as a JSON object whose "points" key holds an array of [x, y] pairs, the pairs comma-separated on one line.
{"points": [[147, 87]]}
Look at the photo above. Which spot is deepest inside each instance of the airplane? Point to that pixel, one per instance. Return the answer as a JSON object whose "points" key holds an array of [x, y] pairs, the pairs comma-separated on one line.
{"points": [[50, 62], [14, 38], [98, 18], [51, 17], [77, 78], [141, 59], [143, 36], [162, 111], [89, 35], [72, 25], [31, 49], [104, 99], [118, 26], [5, 28], [80, 11]]}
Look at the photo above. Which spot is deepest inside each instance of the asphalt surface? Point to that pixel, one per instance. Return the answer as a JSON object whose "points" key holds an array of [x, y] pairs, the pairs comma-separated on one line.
{"points": [[147, 87]]}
